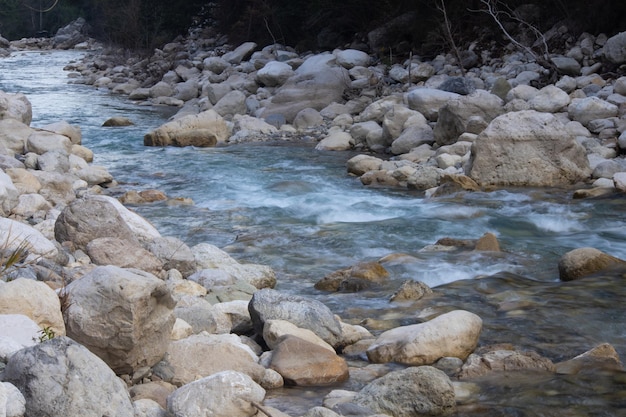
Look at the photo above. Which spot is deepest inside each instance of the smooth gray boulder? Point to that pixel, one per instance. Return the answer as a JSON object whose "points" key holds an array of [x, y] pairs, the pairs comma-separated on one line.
{"points": [[304, 312], [63, 378]]}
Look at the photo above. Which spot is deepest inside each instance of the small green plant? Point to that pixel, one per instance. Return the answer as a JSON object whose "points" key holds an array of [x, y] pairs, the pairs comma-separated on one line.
{"points": [[47, 333]]}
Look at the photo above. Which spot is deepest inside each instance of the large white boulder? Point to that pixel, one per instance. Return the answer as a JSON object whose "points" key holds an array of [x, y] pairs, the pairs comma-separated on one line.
{"points": [[527, 148], [123, 316]]}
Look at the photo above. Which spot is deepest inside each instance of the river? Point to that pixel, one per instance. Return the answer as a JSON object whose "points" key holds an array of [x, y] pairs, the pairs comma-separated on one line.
{"points": [[297, 210]]}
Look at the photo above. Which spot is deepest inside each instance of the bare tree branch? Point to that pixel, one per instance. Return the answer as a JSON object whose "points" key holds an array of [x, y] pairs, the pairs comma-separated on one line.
{"points": [[448, 28]]}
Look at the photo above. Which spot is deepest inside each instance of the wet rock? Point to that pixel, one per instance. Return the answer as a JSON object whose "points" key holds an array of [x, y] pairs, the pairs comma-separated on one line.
{"points": [[451, 184], [411, 290], [303, 363], [581, 262], [601, 357], [487, 242], [505, 361], [370, 272], [123, 317], [452, 334], [117, 122], [63, 369], [421, 390]]}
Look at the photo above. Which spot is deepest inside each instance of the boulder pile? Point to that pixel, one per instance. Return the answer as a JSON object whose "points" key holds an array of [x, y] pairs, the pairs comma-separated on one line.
{"points": [[132, 323], [499, 122]]}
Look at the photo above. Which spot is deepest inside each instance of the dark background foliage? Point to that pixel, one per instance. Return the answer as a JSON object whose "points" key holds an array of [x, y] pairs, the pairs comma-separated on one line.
{"points": [[306, 25]]}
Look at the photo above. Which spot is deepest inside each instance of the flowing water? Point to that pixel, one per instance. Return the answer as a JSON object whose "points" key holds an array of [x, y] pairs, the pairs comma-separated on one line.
{"points": [[297, 210]]}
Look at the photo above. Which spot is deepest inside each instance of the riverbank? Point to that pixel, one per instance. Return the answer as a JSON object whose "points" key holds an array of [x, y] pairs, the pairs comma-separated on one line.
{"points": [[502, 303]]}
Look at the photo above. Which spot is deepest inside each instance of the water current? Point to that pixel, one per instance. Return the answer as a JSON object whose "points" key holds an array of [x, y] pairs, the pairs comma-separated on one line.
{"points": [[297, 210]]}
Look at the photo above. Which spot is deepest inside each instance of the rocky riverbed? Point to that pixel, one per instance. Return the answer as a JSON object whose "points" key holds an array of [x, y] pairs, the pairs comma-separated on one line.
{"points": [[101, 314]]}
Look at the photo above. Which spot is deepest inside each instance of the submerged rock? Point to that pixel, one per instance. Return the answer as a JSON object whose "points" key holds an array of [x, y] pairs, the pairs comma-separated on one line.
{"points": [[581, 262]]}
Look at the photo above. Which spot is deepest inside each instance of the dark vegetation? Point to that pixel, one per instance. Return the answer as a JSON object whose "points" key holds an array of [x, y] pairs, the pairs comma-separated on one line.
{"points": [[416, 25]]}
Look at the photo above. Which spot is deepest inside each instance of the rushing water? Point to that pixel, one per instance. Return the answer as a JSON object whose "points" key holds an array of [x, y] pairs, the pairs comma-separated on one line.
{"points": [[297, 210]]}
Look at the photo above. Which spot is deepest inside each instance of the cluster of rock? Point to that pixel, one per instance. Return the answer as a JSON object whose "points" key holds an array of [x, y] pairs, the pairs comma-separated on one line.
{"points": [[101, 315], [72, 36], [420, 124]]}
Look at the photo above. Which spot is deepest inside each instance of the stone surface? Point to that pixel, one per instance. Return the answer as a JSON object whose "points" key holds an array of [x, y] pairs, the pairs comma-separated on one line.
{"points": [[414, 391], [35, 300], [527, 148], [454, 116], [453, 334], [122, 316], [123, 253], [601, 357], [303, 363], [303, 312], [14, 234], [501, 360], [204, 354], [62, 378], [211, 257], [274, 330], [581, 262], [204, 129], [225, 394]]}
